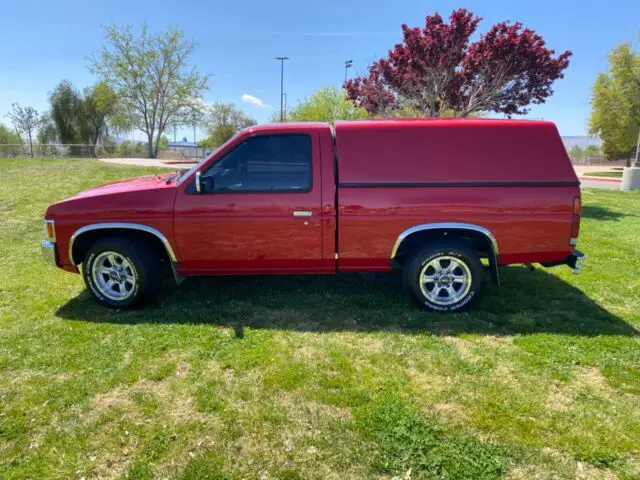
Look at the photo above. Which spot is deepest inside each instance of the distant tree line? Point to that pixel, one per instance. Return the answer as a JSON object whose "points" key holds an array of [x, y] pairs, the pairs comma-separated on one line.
{"points": [[145, 84], [577, 152]]}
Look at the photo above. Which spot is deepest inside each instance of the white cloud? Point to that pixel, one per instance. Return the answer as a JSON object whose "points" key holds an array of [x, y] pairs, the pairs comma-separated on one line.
{"points": [[255, 101]]}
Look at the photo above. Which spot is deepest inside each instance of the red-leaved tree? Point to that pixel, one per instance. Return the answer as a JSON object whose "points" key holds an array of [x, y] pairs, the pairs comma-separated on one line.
{"points": [[436, 69]]}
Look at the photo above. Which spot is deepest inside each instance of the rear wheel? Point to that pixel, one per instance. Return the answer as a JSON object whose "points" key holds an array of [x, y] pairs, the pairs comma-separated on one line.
{"points": [[444, 277], [121, 272]]}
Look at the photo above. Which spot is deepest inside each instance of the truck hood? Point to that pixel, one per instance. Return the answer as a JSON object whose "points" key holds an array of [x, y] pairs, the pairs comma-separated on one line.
{"points": [[143, 196], [147, 182]]}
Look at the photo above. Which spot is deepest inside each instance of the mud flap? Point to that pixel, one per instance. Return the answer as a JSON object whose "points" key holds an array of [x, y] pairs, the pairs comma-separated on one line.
{"points": [[493, 267]]}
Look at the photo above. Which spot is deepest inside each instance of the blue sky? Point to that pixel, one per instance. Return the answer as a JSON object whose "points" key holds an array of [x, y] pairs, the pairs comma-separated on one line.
{"points": [[43, 42]]}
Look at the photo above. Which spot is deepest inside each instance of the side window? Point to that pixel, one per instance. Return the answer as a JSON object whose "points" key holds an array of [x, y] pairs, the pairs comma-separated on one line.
{"points": [[265, 163]]}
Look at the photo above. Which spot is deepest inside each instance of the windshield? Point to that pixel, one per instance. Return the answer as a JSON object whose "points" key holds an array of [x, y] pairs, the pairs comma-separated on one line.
{"points": [[187, 173]]}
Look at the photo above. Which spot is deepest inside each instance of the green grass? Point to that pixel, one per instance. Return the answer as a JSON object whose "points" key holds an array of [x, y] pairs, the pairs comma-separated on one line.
{"points": [[316, 377], [604, 174]]}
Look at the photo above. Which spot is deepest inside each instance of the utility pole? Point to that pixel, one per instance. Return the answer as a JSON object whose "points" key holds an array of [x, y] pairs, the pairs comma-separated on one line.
{"points": [[282, 59], [347, 65], [285, 106]]}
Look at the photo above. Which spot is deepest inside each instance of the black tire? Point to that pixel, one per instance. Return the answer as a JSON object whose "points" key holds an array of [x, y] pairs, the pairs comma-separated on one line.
{"points": [[429, 295], [145, 268]]}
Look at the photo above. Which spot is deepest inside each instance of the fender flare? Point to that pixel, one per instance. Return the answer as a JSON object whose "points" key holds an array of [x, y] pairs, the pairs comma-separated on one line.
{"points": [[128, 226], [493, 254]]}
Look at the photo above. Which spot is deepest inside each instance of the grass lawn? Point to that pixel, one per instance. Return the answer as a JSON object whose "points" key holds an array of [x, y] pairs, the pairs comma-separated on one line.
{"points": [[604, 174], [316, 377]]}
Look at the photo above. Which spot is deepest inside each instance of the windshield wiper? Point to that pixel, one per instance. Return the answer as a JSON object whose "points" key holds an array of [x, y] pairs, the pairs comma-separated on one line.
{"points": [[176, 176], [172, 178]]}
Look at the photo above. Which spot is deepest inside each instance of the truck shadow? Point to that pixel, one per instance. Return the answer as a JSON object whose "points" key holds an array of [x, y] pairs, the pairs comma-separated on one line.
{"points": [[528, 302], [602, 213]]}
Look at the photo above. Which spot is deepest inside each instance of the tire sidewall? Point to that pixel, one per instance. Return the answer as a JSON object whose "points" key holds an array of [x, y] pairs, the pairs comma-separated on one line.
{"points": [[138, 271], [426, 255]]}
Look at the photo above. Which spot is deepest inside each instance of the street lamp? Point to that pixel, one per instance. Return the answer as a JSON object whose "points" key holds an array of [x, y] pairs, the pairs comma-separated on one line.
{"points": [[285, 105], [282, 59], [347, 65]]}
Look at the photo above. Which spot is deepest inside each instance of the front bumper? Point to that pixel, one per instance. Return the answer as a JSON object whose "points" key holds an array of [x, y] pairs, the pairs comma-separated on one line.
{"points": [[574, 261], [48, 250]]}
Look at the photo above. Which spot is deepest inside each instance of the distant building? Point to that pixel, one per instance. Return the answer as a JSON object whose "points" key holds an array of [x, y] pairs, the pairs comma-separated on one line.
{"points": [[184, 147]]}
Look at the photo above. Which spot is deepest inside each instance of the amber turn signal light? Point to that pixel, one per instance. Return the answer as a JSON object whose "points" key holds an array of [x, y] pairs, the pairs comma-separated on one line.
{"points": [[50, 229]]}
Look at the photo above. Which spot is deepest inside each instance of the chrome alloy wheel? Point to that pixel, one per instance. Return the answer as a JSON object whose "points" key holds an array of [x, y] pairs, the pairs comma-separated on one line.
{"points": [[445, 280], [114, 276]]}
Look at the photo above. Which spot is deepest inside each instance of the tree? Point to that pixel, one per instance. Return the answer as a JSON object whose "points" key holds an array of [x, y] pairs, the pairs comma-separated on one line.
{"points": [[98, 104], [223, 122], [26, 121], [150, 76], [66, 113], [615, 104], [435, 69], [7, 136], [576, 152], [592, 151], [47, 133], [326, 105], [82, 119]]}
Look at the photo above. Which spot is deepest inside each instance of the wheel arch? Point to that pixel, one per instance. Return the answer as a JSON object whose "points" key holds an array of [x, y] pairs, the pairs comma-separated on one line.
{"points": [[481, 238], [84, 237]]}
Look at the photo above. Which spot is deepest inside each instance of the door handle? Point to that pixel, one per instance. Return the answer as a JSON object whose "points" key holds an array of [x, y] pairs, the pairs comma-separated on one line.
{"points": [[302, 213]]}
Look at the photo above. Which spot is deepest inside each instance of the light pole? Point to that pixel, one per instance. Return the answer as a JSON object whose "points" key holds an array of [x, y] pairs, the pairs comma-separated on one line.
{"points": [[347, 65], [285, 105], [282, 59]]}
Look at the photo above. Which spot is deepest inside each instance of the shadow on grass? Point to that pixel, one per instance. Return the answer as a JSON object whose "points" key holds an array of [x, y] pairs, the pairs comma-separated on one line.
{"points": [[528, 302], [602, 213]]}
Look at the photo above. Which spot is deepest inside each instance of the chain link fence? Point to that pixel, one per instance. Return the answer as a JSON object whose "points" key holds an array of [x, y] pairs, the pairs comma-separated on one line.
{"points": [[122, 150], [599, 160], [57, 150]]}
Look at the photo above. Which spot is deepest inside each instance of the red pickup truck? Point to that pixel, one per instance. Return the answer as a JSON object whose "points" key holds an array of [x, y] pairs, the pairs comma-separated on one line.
{"points": [[431, 197]]}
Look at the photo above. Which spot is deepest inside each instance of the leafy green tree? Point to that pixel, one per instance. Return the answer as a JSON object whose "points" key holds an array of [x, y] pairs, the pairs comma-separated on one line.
{"points": [[66, 112], [592, 150], [47, 132], [576, 152], [615, 104], [26, 121], [150, 76], [8, 136], [98, 104], [326, 105], [223, 121], [82, 119]]}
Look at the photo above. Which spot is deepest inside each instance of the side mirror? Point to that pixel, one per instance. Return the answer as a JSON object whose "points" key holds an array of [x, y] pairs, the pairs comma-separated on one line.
{"points": [[198, 183]]}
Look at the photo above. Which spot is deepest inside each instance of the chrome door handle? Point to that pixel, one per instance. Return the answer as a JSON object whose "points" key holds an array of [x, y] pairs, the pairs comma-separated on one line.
{"points": [[302, 213]]}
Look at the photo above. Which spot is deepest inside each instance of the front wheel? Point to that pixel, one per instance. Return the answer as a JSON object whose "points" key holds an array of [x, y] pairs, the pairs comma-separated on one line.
{"points": [[121, 272], [444, 277]]}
